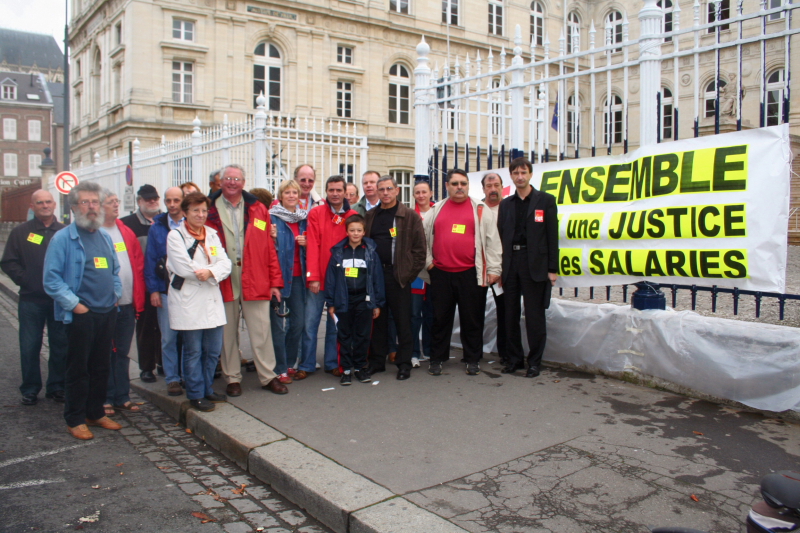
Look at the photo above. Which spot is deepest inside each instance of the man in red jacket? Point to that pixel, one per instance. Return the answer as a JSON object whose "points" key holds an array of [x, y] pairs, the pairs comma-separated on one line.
{"points": [[131, 305], [243, 225], [325, 229]]}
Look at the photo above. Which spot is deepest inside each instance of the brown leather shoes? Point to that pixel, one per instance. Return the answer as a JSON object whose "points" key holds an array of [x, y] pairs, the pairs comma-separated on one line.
{"points": [[80, 432], [336, 372], [105, 423], [233, 389], [300, 374], [276, 386]]}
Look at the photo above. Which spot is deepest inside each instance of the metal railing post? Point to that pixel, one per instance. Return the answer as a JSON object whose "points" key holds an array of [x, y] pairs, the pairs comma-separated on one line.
{"points": [[650, 18], [197, 160], [517, 99], [422, 140], [260, 143]]}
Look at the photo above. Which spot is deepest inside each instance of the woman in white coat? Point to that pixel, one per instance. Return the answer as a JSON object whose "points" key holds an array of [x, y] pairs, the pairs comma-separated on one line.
{"points": [[195, 255]]}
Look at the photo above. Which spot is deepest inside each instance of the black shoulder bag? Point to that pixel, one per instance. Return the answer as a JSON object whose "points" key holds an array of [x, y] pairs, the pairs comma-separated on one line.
{"points": [[177, 281]]}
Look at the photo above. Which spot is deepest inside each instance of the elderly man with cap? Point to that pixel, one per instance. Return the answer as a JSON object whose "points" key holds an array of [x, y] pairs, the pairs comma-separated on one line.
{"points": [[23, 262], [148, 335]]}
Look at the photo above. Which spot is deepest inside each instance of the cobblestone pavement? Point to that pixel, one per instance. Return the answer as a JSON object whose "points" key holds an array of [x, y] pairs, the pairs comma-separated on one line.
{"points": [[221, 489]]}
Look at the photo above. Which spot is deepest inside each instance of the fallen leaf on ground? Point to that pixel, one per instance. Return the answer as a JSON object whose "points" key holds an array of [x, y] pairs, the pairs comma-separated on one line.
{"points": [[120, 464], [204, 518], [696, 432], [163, 467], [239, 490], [188, 430], [556, 381], [695, 498]]}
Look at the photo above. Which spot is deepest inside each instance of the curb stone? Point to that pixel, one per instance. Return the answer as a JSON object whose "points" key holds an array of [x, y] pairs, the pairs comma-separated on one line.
{"points": [[341, 499]]}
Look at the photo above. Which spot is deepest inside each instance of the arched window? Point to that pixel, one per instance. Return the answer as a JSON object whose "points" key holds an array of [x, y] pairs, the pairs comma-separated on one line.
{"points": [[612, 120], [573, 120], [537, 24], [97, 66], [776, 87], [267, 66], [666, 27], [614, 25], [667, 115], [399, 94], [573, 32], [711, 97]]}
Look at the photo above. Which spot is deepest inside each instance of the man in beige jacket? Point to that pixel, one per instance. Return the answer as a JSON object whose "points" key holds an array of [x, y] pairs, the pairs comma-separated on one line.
{"points": [[464, 258]]}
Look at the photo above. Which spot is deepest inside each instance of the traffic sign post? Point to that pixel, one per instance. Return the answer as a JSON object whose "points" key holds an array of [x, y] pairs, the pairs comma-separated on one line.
{"points": [[65, 181]]}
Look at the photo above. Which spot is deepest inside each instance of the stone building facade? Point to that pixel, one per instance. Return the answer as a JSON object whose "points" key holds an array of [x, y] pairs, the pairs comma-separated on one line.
{"points": [[145, 68]]}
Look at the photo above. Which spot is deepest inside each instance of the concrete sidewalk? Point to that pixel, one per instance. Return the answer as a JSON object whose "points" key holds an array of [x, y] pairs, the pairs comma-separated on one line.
{"points": [[566, 452]]}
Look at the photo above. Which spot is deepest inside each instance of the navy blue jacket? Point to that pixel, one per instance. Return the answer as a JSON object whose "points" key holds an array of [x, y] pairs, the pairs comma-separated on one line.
{"points": [[285, 247], [336, 285], [156, 249]]}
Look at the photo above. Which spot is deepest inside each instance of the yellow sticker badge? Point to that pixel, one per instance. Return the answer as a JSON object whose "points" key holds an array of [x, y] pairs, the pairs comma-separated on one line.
{"points": [[100, 262], [212, 250], [393, 232], [351, 272], [35, 239], [120, 247], [459, 228], [260, 224]]}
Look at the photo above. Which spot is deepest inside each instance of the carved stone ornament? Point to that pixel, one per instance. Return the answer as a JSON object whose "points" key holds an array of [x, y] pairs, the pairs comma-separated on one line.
{"points": [[686, 79], [230, 5]]}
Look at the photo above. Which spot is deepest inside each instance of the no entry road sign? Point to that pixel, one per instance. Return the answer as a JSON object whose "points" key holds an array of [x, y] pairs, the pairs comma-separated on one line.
{"points": [[65, 181]]}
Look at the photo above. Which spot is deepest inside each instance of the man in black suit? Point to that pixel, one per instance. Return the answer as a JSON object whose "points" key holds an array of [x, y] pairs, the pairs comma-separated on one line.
{"points": [[528, 226]]}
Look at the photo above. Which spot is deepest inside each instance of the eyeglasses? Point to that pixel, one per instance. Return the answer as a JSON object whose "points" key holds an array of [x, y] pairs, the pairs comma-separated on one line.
{"points": [[234, 180], [95, 203], [386, 189], [112, 202], [459, 183]]}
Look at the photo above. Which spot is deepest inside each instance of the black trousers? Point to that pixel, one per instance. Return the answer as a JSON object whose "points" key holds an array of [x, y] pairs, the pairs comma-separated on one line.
{"points": [[398, 299], [353, 330], [88, 360], [520, 285], [448, 290], [148, 337], [500, 308]]}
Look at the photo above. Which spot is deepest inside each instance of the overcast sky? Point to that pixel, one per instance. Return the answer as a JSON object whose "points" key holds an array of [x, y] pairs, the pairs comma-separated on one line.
{"points": [[39, 16]]}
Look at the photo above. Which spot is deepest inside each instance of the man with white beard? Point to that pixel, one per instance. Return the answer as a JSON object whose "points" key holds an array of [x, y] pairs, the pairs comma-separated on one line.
{"points": [[81, 275], [148, 334]]}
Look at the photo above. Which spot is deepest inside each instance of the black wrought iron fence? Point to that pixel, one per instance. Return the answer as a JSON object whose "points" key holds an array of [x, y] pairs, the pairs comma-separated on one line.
{"points": [[715, 291]]}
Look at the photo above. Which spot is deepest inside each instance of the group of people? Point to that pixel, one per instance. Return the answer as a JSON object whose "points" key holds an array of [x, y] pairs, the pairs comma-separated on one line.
{"points": [[182, 280]]}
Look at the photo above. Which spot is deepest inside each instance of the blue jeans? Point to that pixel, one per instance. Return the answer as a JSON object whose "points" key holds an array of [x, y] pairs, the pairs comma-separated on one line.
{"points": [[314, 305], [287, 332], [169, 343], [119, 382], [32, 319], [422, 317], [201, 348]]}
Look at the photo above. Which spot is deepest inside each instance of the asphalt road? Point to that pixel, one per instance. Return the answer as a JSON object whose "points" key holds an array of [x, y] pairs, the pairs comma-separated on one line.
{"points": [[150, 476]]}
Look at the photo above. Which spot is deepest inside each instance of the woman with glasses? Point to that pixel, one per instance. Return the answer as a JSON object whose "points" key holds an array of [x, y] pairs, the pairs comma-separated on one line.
{"points": [[286, 319], [197, 263]]}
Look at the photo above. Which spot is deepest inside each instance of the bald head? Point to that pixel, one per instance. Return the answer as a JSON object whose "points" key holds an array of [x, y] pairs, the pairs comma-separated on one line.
{"points": [[172, 200], [43, 206]]}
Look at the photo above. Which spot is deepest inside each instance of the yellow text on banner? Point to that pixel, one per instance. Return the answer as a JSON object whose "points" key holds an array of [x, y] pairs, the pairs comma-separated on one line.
{"points": [[686, 222], [584, 226], [678, 263], [569, 261], [722, 169]]}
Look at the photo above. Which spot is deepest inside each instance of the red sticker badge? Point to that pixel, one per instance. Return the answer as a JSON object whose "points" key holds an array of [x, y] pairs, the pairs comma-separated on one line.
{"points": [[539, 215]]}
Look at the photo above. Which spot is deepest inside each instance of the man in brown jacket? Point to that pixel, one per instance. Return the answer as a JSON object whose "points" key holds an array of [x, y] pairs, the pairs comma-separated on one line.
{"points": [[398, 234]]}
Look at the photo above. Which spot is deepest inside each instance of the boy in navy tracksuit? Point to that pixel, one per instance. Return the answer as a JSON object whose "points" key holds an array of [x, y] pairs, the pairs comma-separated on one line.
{"points": [[354, 293]]}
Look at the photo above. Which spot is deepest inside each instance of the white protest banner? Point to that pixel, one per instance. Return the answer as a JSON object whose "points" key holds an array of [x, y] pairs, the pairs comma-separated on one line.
{"points": [[707, 211]]}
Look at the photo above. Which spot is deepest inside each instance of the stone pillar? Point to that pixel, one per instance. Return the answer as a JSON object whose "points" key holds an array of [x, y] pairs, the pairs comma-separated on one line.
{"points": [[650, 18], [422, 142]]}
